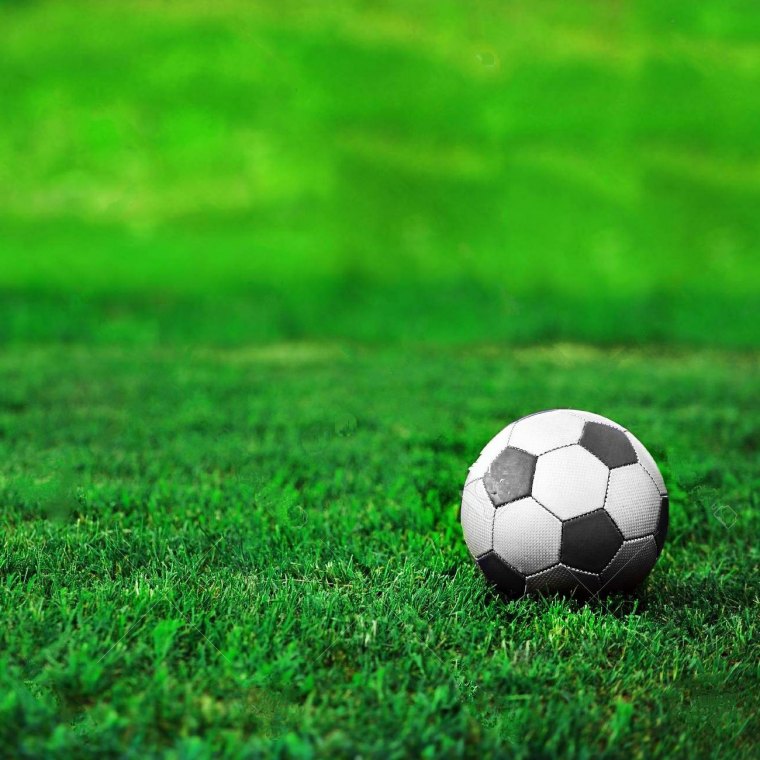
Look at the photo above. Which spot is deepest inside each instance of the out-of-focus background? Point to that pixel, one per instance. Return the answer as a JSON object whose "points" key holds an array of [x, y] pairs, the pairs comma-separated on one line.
{"points": [[424, 170]]}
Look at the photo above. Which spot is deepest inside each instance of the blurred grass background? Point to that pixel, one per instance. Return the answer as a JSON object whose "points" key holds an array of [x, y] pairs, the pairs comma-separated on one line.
{"points": [[237, 171]]}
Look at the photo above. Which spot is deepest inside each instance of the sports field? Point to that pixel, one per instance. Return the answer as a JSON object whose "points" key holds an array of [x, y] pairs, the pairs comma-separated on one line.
{"points": [[271, 275]]}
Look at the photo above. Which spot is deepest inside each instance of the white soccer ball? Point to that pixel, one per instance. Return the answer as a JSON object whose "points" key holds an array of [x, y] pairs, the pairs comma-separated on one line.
{"points": [[564, 500]]}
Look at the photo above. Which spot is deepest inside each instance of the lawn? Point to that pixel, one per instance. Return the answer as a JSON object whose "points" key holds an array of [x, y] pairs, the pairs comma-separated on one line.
{"points": [[258, 550], [271, 275]]}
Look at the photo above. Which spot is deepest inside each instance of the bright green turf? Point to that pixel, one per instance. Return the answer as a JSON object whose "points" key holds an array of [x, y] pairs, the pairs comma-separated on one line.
{"points": [[270, 276], [259, 550], [377, 166]]}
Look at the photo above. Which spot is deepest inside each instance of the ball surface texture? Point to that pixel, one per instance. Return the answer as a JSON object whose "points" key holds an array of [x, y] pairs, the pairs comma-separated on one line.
{"points": [[564, 500]]}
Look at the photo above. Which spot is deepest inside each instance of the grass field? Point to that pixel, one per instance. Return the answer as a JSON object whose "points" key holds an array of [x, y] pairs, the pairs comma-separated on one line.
{"points": [[271, 275], [258, 550]]}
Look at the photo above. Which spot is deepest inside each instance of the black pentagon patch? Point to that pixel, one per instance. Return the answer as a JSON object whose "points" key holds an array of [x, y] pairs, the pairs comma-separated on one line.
{"points": [[565, 581], [504, 577], [589, 542], [608, 444], [588, 584], [510, 476], [662, 524]]}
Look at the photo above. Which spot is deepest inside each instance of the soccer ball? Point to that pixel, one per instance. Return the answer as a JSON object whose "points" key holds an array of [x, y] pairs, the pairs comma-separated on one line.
{"points": [[564, 500]]}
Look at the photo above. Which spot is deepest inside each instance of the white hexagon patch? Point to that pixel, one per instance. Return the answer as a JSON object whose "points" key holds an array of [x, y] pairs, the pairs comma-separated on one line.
{"points": [[540, 433], [570, 482], [526, 536], [633, 501], [477, 518]]}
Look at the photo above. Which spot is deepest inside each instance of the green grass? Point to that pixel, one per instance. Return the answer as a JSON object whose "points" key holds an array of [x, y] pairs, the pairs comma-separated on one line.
{"points": [[258, 551], [547, 153], [271, 274]]}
